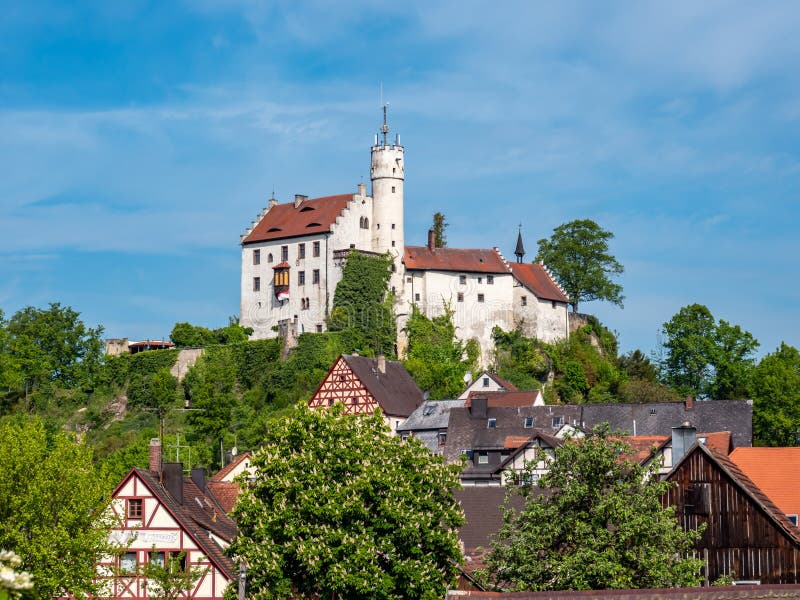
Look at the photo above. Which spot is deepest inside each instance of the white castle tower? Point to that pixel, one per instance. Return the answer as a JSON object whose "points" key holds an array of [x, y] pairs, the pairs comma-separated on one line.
{"points": [[387, 174]]}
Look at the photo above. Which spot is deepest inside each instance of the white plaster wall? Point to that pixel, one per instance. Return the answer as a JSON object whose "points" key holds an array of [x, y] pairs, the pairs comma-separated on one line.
{"points": [[472, 319], [539, 458], [387, 172], [478, 386], [541, 319]]}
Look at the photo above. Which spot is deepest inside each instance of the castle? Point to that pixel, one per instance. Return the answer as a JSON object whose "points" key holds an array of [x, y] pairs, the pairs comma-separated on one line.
{"points": [[293, 253]]}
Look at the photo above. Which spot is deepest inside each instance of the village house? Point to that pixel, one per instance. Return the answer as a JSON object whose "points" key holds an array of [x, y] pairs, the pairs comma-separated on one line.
{"points": [[293, 253], [488, 382], [364, 384], [161, 514]]}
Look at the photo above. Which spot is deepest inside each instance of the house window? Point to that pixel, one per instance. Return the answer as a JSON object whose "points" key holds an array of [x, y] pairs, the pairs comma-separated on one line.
{"points": [[135, 508], [158, 558], [528, 422], [315, 250], [281, 277], [269, 257], [460, 297], [524, 300], [483, 458], [301, 250], [355, 401], [491, 423], [284, 252], [301, 278], [319, 328], [480, 297], [256, 257], [490, 279], [256, 284], [394, 268], [330, 401], [480, 279], [443, 439], [793, 519], [558, 421], [553, 303], [127, 562], [392, 243], [652, 411], [462, 279], [392, 223], [485, 382], [416, 297], [315, 276], [393, 189], [304, 303]]}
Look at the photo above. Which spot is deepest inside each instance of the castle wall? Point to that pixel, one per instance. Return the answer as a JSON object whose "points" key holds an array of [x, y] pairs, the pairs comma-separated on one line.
{"points": [[539, 318]]}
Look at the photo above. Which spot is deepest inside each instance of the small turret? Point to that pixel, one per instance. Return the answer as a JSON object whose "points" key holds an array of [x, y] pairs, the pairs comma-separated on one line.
{"points": [[520, 250]]}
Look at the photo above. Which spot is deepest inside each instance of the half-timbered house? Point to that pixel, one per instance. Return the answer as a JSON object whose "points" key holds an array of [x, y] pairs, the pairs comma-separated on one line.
{"points": [[161, 514], [364, 384], [746, 535]]}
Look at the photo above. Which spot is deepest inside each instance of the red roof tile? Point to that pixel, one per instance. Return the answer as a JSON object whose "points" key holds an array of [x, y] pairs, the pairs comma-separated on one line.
{"points": [[534, 277], [643, 446], [225, 493], [223, 472], [774, 471], [497, 399], [311, 216], [515, 441], [454, 259], [718, 440]]}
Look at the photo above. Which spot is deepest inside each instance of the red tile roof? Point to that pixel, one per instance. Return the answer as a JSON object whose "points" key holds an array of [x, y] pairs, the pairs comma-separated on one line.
{"points": [[311, 216], [515, 441], [774, 470], [225, 493], [643, 446], [224, 471], [497, 399], [718, 440], [454, 259], [534, 277]]}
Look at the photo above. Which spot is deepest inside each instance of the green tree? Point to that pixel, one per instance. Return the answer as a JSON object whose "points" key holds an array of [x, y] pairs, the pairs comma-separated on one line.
{"points": [[439, 228], [437, 359], [706, 358], [168, 578], [577, 254], [601, 525], [362, 306], [52, 507], [53, 345], [186, 335], [340, 509], [775, 389]]}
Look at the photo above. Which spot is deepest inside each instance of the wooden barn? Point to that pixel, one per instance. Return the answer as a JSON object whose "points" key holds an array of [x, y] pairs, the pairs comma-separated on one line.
{"points": [[747, 536]]}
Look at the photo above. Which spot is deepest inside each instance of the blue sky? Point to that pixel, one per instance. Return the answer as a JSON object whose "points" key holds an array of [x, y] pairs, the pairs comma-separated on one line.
{"points": [[140, 138]]}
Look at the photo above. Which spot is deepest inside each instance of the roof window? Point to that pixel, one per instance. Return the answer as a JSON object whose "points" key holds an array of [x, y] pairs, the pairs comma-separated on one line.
{"points": [[491, 423], [313, 225], [273, 229], [306, 208]]}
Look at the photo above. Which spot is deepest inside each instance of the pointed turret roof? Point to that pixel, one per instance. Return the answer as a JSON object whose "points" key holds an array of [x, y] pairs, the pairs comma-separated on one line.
{"points": [[520, 250]]}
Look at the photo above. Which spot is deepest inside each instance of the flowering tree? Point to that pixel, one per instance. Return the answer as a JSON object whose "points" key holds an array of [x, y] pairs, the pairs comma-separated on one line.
{"points": [[338, 508], [12, 582]]}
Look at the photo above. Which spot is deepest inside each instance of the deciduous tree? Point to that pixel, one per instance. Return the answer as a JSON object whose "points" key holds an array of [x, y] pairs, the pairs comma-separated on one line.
{"points": [[600, 525], [52, 507], [577, 254], [775, 389], [340, 509]]}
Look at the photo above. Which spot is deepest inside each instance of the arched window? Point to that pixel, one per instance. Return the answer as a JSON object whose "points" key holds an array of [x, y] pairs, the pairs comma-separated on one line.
{"points": [[269, 257], [364, 223]]}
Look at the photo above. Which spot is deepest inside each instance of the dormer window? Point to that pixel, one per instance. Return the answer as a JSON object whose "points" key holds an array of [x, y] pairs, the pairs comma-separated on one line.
{"points": [[273, 229], [306, 208], [528, 422], [491, 423]]}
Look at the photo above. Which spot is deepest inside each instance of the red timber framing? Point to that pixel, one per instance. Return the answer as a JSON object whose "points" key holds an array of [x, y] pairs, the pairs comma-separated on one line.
{"points": [[341, 384], [163, 528]]}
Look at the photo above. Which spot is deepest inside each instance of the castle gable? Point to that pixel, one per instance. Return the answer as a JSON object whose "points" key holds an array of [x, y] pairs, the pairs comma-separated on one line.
{"points": [[306, 218], [536, 278]]}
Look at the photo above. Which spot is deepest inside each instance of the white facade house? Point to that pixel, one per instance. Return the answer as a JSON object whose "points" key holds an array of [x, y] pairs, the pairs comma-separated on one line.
{"points": [[293, 253]]}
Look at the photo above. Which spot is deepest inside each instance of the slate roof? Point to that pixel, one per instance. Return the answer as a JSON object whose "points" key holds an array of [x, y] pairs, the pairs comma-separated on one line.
{"points": [[536, 278], [198, 515], [658, 418], [482, 513], [747, 486], [509, 398], [470, 431], [431, 414], [395, 391], [775, 471], [311, 216], [465, 260]]}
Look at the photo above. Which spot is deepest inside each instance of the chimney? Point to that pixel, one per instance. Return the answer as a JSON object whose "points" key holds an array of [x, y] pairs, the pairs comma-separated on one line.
{"points": [[199, 477], [381, 364], [155, 455], [362, 189], [431, 239], [479, 407], [272, 203], [682, 439], [173, 480], [688, 404], [299, 199]]}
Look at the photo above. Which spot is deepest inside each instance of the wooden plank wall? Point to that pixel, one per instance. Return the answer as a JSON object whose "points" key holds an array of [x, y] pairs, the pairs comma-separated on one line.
{"points": [[740, 539]]}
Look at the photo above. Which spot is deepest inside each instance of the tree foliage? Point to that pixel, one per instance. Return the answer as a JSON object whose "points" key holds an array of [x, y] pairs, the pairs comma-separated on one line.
{"points": [[706, 358], [167, 577], [339, 508], [187, 335], [50, 346], [600, 525], [775, 389], [437, 359], [52, 507], [363, 307], [439, 228], [577, 254]]}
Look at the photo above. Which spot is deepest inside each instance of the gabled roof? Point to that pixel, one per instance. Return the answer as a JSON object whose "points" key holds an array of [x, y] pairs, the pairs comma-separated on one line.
{"points": [[774, 471], [224, 471], [503, 383], [431, 414], [521, 443], [534, 277], [311, 216], [198, 516], [465, 260], [746, 485], [395, 391], [515, 398]]}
